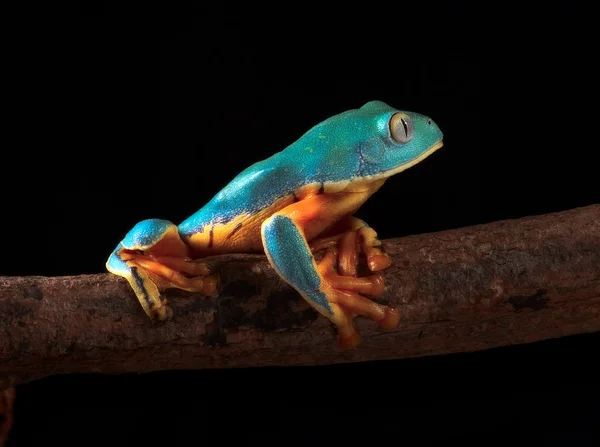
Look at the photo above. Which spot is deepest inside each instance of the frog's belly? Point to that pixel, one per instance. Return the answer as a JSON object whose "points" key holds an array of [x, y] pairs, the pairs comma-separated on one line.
{"points": [[242, 234], [239, 235]]}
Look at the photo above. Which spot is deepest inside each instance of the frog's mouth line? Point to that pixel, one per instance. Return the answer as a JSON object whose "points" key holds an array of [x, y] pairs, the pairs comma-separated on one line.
{"points": [[419, 159], [386, 174]]}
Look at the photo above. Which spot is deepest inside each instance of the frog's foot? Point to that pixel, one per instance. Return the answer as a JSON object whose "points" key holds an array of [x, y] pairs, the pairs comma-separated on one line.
{"points": [[180, 273], [152, 257], [143, 284], [372, 247], [346, 297], [357, 238]]}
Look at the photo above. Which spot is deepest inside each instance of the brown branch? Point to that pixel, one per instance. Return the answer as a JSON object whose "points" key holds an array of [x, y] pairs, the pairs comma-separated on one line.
{"points": [[468, 289]]}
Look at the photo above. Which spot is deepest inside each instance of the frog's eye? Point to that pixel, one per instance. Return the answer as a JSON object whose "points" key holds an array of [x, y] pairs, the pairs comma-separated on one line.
{"points": [[402, 127]]}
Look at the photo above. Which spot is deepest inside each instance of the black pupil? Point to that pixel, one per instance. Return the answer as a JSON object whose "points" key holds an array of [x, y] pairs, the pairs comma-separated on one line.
{"points": [[405, 125]]}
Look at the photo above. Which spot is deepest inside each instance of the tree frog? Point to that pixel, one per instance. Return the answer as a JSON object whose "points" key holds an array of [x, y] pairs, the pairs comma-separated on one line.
{"points": [[292, 206]]}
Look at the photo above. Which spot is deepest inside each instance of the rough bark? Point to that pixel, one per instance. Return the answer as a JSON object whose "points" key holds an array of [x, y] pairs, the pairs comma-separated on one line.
{"points": [[468, 289]]}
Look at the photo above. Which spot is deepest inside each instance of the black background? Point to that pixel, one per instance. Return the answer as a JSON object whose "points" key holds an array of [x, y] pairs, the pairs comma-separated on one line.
{"points": [[119, 119]]}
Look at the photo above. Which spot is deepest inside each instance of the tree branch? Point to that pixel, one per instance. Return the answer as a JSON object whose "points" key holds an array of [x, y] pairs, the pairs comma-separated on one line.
{"points": [[468, 289]]}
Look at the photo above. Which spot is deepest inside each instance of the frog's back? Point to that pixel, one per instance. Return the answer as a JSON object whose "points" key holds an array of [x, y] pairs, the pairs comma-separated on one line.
{"points": [[254, 190]]}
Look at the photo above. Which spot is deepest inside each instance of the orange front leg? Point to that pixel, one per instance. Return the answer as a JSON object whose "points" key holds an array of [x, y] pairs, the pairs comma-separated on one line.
{"points": [[352, 237]]}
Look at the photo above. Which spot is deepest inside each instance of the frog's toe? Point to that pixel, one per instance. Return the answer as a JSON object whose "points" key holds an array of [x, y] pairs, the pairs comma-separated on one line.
{"points": [[162, 313], [372, 247], [207, 285], [378, 261], [354, 304], [347, 305], [348, 337], [350, 245], [373, 285], [348, 254], [166, 274]]}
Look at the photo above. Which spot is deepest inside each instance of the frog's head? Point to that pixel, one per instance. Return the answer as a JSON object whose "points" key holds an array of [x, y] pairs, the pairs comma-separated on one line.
{"points": [[381, 140], [392, 140]]}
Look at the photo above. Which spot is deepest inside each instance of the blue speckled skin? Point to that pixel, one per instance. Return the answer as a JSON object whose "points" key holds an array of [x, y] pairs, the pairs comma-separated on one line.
{"points": [[115, 264], [287, 249], [144, 234], [354, 144], [271, 206]]}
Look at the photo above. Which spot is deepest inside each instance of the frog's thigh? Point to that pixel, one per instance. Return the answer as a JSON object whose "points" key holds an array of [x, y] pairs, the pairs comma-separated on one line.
{"points": [[284, 241], [288, 252], [339, 299]]}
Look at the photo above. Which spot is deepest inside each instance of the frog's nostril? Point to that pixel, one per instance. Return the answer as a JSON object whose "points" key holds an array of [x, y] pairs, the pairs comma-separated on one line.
{"points": [[429, 122]]}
